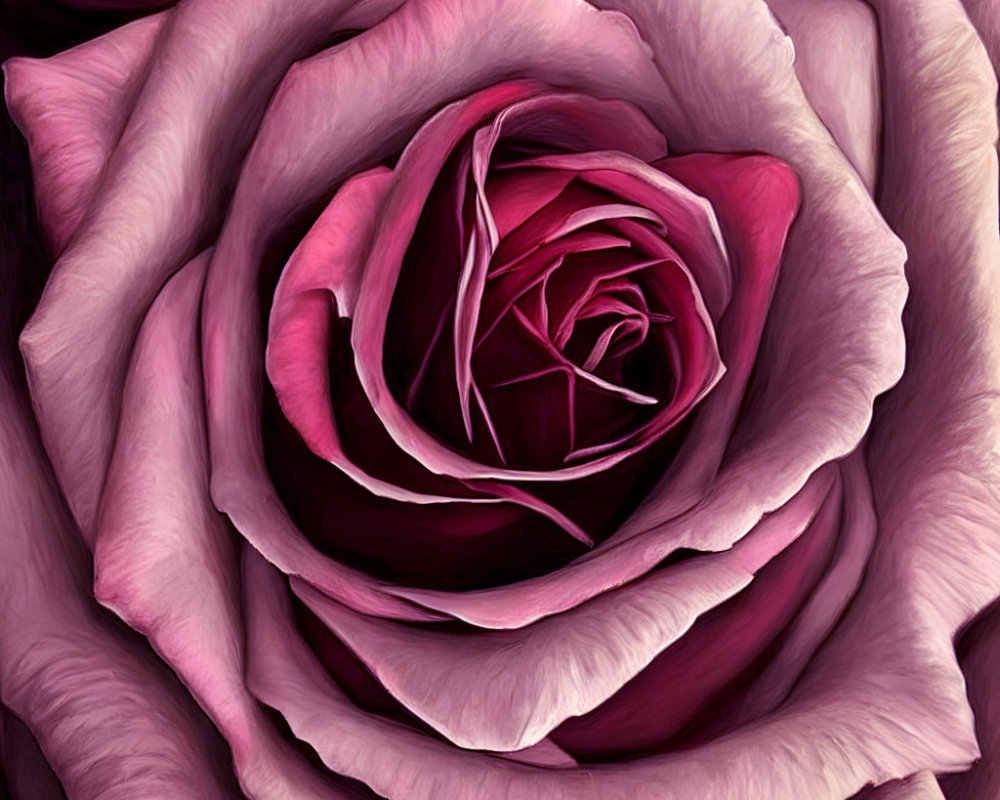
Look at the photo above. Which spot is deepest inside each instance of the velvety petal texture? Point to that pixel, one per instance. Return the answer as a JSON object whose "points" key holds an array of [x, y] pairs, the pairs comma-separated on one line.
{"points": [[535, 399], [111, 719]]}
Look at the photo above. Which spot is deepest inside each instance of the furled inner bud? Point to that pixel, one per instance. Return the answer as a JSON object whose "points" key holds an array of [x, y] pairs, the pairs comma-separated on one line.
{"points": [[566, 326], [523, 302]]}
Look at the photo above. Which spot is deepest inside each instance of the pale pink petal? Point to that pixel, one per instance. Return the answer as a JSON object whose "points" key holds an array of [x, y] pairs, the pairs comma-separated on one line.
{"points": [[164, 559], [933, 450], [979, 654], [111, 719], [837, 62], [920, 786], [831, 739], [162, 194], [72, 108], [985, 15]]}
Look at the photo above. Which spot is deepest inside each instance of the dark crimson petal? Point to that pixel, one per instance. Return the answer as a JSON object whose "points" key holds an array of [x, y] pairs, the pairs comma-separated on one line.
{"points": [[111, 719]]}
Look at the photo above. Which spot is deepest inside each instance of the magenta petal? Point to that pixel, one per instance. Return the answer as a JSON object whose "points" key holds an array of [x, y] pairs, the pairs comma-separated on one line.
{"points": [[756, 199], [691, 223], [320, 283], [72, 108]]}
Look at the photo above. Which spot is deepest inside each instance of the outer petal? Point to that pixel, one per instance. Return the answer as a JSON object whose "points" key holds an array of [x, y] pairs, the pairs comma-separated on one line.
{"points": [[837, 61], [165, 560], [72, 108], [934, 455], [979, 654], [160, 196], [112, 721], [829, 740]]}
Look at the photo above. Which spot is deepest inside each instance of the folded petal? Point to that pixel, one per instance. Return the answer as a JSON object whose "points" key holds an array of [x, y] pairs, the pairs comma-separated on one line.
{"points": [[506, 690], [72, 108], [837, 63], [164, 559], [112, 721]]}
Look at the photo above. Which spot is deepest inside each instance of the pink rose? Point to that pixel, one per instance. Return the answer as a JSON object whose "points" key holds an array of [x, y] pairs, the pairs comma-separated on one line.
{"points": [[503, 400]]}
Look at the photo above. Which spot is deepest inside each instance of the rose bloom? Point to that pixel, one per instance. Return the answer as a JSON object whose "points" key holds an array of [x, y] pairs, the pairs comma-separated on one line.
{"points": [[531, 399]]}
